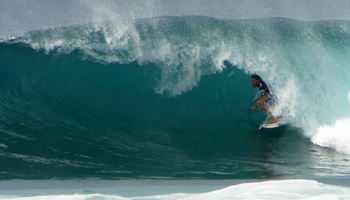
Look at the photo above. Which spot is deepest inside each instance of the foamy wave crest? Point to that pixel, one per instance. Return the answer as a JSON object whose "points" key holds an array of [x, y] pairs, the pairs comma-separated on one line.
{"points": [[107, 42], [182, 54]]}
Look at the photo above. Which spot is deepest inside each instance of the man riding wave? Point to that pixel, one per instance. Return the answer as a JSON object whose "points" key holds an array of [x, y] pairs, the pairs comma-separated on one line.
{"points": [[266, 99]]}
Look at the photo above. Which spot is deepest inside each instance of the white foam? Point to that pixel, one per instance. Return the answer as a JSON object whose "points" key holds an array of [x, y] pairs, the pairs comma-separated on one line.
{"points": [[276, 189], [284, 189], [335, 135]]}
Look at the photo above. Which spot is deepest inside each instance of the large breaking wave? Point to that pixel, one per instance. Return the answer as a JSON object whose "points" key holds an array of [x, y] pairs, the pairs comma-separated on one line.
{"points": [[159, 88]]}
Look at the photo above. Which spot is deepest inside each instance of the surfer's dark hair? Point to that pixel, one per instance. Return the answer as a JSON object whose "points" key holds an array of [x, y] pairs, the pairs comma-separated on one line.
{"points": [[256, 76]]}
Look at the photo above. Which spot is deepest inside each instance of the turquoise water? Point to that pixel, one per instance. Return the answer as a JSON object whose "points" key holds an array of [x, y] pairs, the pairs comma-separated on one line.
{"points": [[169, 98]]}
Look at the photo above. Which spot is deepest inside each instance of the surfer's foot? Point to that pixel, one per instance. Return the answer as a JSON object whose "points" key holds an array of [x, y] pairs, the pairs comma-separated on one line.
{"points": [[271, 121]]}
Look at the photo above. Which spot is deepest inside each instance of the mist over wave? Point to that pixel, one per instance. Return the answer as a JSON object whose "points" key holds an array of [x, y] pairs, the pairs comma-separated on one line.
{"points": [[19, 16], [151, 90]]}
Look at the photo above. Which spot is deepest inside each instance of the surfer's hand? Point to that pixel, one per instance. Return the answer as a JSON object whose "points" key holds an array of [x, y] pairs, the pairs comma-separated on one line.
{"points": [[253, 108]]}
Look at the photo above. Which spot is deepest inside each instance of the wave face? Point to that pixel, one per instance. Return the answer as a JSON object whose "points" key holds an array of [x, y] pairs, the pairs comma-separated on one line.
{"points": [[169, 97]]}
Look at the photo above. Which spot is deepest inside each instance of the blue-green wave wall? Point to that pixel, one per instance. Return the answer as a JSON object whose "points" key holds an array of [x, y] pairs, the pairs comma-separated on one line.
{"points": [[166, 97]]}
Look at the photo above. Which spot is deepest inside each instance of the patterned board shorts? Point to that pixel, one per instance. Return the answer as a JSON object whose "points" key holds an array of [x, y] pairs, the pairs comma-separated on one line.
{"points": [[271, 102]]}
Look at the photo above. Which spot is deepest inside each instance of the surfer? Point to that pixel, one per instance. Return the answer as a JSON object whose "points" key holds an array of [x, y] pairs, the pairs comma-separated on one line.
{"points": [[265, 99]]}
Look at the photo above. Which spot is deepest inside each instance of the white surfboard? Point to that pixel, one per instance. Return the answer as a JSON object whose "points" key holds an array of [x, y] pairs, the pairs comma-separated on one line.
{"points": [[279, 123]]}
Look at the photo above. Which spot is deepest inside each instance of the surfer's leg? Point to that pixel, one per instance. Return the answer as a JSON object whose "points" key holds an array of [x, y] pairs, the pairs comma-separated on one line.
{"points": [[273, 119]]}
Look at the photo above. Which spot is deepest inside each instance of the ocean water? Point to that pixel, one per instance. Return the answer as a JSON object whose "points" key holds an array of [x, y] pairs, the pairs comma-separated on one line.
{"points": [[169, 98]]}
